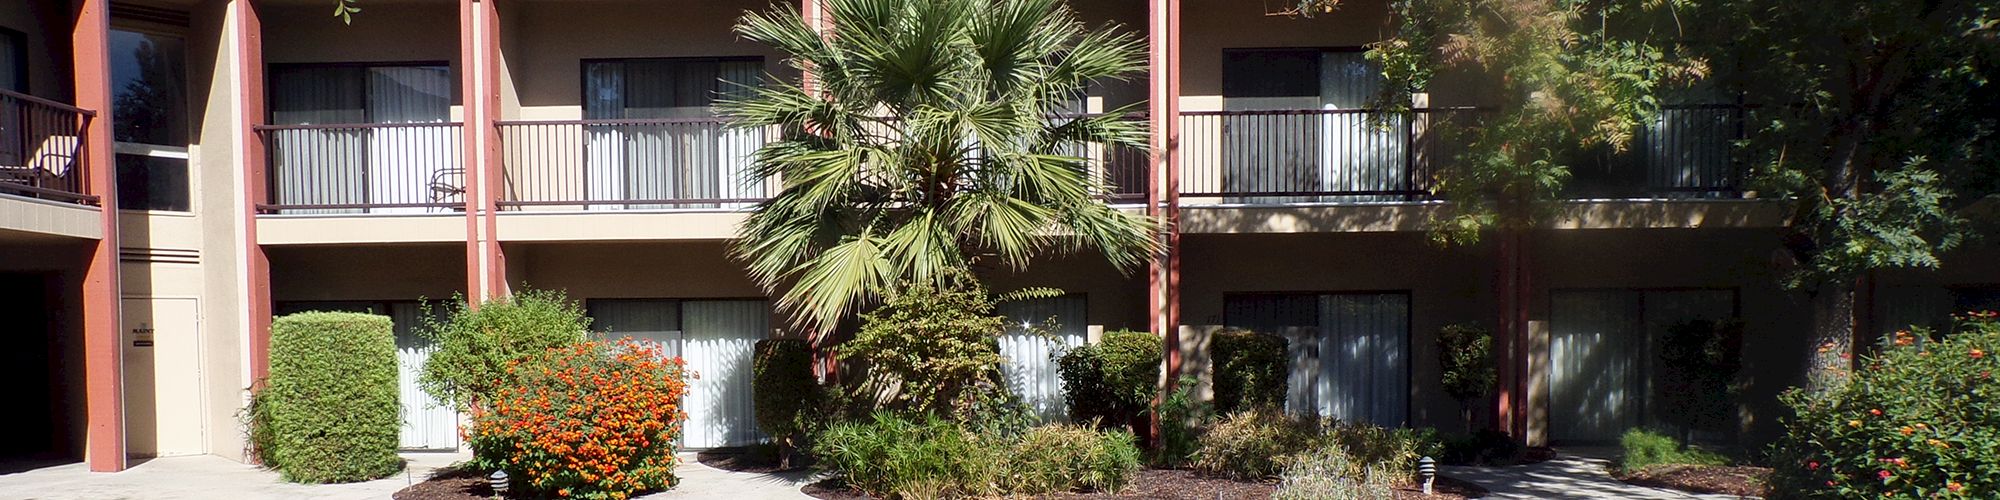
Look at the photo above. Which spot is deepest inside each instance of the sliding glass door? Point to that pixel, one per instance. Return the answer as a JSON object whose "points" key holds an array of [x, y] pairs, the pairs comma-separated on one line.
{"points": [[717, 339], [1349, 351], [1299, 126], [655, 136], [1031, 366], [362, 138], [1603, 355]]}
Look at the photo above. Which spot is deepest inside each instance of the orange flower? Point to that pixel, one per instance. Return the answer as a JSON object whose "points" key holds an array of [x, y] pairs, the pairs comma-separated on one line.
{"points": [[1976, 354]]}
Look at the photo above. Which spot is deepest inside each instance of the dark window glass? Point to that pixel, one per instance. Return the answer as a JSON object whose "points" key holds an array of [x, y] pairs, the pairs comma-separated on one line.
{"points": [[149, 97], [13, 61], [665, 88], [152, 183], [1270, 73]]}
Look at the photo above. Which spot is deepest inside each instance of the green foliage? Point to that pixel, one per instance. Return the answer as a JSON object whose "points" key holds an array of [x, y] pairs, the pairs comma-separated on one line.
{"points": [[1640, 448], [1251, 370], [1328, 474], [1465, 361], [1697, 385], [1112, 382], [595, 420], [932, 349], [927, 145], [1182, 417], [345, 10], [889, 456], [1391, 452], [329, 411], [1916, 421], [474, 346], [1060, 458], [1255, 444], [784, 390], [1560, 79], [1486, 447]]}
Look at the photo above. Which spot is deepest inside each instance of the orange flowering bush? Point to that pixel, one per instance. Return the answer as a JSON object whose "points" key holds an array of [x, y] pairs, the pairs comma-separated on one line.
{"points": [[596, 420]]}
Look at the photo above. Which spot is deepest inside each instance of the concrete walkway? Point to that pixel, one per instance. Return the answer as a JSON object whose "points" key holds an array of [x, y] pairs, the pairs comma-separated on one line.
{"points": [[1567, 476], [205, 477], [701, 481], [211, 477]]}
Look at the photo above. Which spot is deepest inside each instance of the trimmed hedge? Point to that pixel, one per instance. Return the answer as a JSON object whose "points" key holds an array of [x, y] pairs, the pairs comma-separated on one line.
{"points": [[329, 411], [784, 388], [1251, 370], [1113, 381]]}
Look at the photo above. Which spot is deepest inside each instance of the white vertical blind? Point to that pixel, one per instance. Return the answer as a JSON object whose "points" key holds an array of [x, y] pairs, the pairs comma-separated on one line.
{"points": [[404, 163], [363, 165], [699, 160], [1603, 350], [313, 167], [1349, 352], [658, 321], [428, 424], [721, 338], [1031, 369], [1326, 152]]}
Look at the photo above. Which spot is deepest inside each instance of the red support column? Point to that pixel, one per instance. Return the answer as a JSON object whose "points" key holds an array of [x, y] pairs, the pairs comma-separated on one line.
{"points": [[103, 374], [1504, 359], [489, 134], [1163, 195], [249, 36], [468, 52]]}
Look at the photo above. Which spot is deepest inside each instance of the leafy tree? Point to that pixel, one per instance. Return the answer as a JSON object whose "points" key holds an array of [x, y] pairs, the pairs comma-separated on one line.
{"points": [[932, 349], [1877, 121], [930, 140], [1465, 362], [476, 346]]}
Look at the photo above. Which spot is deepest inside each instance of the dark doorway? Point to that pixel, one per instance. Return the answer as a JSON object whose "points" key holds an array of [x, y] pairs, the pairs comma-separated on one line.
{"points": [[42, 426]]}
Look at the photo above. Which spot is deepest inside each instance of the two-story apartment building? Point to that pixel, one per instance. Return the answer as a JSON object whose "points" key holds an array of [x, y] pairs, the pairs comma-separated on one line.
{"points": [[175, 172]]}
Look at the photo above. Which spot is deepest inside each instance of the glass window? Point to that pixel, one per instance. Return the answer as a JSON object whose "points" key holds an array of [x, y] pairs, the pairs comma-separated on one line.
{"points": [[674, 152], [152, 182], [150, 120], [13, 61]]}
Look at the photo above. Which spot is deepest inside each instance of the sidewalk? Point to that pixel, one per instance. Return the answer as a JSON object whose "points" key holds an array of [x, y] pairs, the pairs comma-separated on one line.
{"points": [[205, 477], [701, 481], [1565, 477]]}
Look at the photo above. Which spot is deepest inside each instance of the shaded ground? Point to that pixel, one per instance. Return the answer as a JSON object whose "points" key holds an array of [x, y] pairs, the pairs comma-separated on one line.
{"points": [[1726, 480], [1564, 477], [1183, 485], [206, 477], [758, 459], [448, 484], [697, 481]]}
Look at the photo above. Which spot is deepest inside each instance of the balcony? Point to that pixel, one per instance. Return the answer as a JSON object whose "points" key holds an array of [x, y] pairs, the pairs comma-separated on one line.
{"points": [[364, 168], [683, 164], [1373, 156], [41, 149]]}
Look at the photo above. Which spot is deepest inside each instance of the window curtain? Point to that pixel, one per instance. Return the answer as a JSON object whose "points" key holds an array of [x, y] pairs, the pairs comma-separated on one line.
{"points": [[1349, 352], [1602, 350], [658, 321], [675, 158], [721, 339], [364, 165], [1308, 153], [1030, 369], [428, 424]]}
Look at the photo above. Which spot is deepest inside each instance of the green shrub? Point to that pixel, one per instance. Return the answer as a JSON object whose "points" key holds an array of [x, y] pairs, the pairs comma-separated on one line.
{"points": [[1182, 417], [474, 346], [1465, 360], [785, 389], [329, 411], [1697, 383], [1112, 382], [1251, 370], [595, 420], [1389, 452], [1642, 448], [1329, 473], [889, 456], [931, 349], [1917, 420], [1254, 444], [1059, 458]]}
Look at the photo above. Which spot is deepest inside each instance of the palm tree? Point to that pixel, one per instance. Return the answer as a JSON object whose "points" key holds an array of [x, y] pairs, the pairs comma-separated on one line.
{"points": [[932, 140]]}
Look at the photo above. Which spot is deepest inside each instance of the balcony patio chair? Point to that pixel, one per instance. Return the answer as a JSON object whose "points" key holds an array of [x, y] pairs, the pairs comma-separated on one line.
{"points": [[441, 187], [53, 159]]}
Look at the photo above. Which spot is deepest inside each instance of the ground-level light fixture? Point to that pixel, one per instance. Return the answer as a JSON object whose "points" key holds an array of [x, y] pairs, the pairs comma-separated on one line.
{"points": [[1427, 469], [498, 480]]}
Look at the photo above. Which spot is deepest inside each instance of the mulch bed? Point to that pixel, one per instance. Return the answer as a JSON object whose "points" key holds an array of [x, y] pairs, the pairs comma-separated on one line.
{"points": [[1185, 485], [1742, 481], [452, 484]]}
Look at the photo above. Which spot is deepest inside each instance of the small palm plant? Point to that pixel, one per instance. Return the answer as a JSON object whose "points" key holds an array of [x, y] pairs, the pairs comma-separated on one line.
{"points": [[931, 139]]}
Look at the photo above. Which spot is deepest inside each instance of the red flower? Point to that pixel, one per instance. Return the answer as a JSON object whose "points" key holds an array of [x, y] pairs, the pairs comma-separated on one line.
{"points": [[1883, 474], [1976, 354], [1954, 486], [1875, 411], [1812, 465]]}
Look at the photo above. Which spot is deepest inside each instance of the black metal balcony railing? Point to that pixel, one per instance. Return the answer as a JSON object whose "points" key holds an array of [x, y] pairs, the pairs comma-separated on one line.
{"points": [[630, 164], [1363, 155], [684, 163], [41, 149], [376, 168]]}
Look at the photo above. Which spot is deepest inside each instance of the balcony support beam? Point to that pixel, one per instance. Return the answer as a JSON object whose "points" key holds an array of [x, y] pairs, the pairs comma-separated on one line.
{"points": [[1163, 193], [485, 266], [104, 377]]}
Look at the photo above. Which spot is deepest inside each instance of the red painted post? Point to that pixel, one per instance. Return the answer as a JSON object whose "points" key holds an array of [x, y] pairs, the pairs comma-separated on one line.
{"points": [[249, 30], [102, 367], [468, 50]]}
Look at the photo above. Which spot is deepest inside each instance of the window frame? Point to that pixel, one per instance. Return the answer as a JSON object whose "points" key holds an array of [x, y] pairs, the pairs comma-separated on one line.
{"points": [[180, 152], [271, 71]]}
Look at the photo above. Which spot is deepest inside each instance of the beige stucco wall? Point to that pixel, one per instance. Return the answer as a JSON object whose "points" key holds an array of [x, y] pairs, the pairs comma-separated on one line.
{"points": [[373, 272], [45, 26]]}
